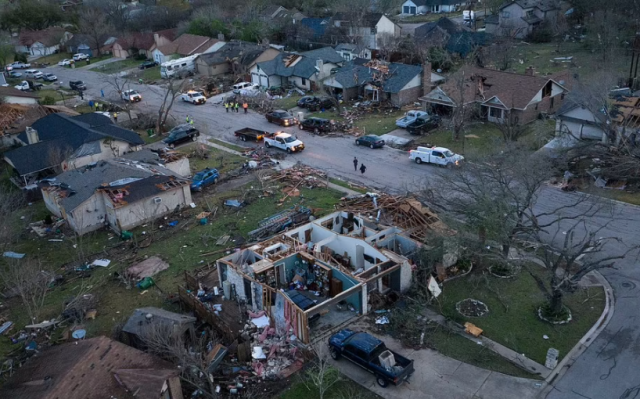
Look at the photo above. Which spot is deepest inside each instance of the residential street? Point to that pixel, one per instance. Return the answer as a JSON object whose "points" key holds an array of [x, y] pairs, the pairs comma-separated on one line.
{"points": [[609, 367]]}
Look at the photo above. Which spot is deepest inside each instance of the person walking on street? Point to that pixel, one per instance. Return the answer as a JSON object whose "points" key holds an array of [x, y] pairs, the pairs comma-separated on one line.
{"points": [[115, 117], [237, 106], [363, 169], [355, 164], [187, 119], [226, 106], [245, 106]]}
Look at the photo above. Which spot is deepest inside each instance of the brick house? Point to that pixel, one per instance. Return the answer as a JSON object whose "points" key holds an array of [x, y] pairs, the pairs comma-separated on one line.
{"points": [[498, 95]]}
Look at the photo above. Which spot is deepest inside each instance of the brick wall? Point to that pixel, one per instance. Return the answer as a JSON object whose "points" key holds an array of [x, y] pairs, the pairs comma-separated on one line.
{"points": [[532, 112], [407, 96]]}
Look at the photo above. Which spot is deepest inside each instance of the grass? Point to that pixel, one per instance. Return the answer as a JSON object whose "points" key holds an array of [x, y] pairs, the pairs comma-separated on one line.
{"points": [[117, 66], [378, 124], [286, 103], [219, 159], [423, 18], [150, 74], [180, 246], [345, 388], [342, 183], [632, 198], [228, 145], [512, 319]]}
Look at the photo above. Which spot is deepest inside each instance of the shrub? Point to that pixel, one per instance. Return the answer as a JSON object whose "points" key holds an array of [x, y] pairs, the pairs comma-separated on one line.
{"points": [[20, 57], [48, 100]]}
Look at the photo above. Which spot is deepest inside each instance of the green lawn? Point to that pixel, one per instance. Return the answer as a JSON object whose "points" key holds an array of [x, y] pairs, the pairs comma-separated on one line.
{"points": [[117, 66], [512, 319], [424, 18], [345, 184], [228, 145], [149, 74], [344, 389], [286, 103], [221, 160]]}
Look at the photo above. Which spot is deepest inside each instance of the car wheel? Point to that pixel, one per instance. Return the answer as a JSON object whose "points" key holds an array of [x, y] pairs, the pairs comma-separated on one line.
{"points": [[300, 127], [194, 138], [289, 151], [215, 181], [382, 382], [372, 146], [418, 160], [266, 144], [316, 131], [449, 165], [357, 142], [243, 138], [335, 355]]}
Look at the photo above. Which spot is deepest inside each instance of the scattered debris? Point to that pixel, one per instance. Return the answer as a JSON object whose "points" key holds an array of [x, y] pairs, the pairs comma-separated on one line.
{"points": [[147, 268], [233, 203], [470, 328], [280, 221], [11, 254], [101, 262]]}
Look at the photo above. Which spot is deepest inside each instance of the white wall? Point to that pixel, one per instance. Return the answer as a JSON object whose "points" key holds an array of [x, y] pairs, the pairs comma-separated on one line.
{"points": [[20, 100], [415, 82], [555, 90], [145, 210], [180, 167], [385, 25], [297, 82], [89, 216], [213, 48]]}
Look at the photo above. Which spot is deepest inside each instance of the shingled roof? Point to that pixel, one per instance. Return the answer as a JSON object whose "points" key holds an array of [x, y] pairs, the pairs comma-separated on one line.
{"points": [[93, 368], [187, 44], [242, 52], [49, 37], [399, 75], [63, 134], [301, 65]]}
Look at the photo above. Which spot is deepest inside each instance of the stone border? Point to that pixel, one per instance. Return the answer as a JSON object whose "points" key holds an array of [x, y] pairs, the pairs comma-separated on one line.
{"points": [[459, 275], [555, 322], [515, 273], [475, 302]]}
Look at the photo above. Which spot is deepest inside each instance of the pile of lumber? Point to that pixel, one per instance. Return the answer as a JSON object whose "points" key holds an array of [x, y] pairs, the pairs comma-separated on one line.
{"points": [[404, 212], [303, 176]]}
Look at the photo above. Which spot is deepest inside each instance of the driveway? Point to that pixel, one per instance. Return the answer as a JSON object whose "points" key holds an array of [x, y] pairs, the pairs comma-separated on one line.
{"points": [[608, 369], [438, 377]]}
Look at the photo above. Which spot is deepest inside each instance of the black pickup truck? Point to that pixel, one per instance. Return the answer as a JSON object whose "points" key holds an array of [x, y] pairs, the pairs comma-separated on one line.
{"points": [[371, 354], [250, 134]]}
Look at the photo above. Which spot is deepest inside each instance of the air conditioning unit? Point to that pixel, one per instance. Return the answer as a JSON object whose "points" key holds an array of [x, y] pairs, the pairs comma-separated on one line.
{"points": [[157, 200]]}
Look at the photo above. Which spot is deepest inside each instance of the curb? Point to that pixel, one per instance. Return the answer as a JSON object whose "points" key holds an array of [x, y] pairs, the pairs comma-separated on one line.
{"points": [[586, 340]]}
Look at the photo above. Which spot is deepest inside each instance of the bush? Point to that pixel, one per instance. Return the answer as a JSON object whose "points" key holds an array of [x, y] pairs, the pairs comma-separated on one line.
{"points": [[541, 34], [20, 57], [48, 100]]}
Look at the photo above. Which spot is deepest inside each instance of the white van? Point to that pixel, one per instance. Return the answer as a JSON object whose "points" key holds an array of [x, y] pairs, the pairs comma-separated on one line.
{"points": [[179, 68], [238, 87], [33, 74]]}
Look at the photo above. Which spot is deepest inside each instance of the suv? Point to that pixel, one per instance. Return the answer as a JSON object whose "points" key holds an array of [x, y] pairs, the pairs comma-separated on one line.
{"points": [[131, 96], [80, 57], [423, 124], [33, 74], [77, 85], [147, 64], [49, 77], [181, 134], [280, 117], [315, 103], [238, 87], [316, 125], [204, 178]]}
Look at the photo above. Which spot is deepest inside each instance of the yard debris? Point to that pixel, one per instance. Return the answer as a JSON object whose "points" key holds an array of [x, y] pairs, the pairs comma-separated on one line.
{"points": [[11, 254], [382, 320], [470, 328], [101, 262], [223, 240], [5, 327], [147, 268], [302, 175], [280, 221], [234, 203]]}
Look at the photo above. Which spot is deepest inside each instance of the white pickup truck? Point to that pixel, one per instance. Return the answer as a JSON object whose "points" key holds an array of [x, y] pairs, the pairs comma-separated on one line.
{"points": [[131, 96], [194, 97], [436, 155], [28, 86], [283, 141], [410, 117]]}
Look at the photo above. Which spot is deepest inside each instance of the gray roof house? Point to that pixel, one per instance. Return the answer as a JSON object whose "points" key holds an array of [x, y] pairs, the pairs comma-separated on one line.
{"points": [[234, 57], [163, 320], [375, 80], [117, 193], [351, 51], [301, 70], [58, 141], [518, 18]]}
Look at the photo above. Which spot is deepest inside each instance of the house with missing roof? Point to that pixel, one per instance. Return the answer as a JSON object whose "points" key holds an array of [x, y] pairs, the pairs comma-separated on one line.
{"points": [[380, 81], [234, 57], [184, 46], [373, 30], [351, 51], [301, 70], [518, 18], [133, 332], [93, 368], [419, 7], [42, 42], [118, 193], [59, 142], [10, 95], [499, 96]]}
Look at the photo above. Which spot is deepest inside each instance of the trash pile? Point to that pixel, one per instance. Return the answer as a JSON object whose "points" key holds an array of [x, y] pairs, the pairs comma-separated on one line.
{"points": [[261, 158], [301, 175], [280, 221], [404, 212]]}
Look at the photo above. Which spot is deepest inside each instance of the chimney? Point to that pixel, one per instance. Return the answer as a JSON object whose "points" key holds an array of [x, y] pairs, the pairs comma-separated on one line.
{"points": [[427, 86], [221, 37], [531, 71], [32, 135]]}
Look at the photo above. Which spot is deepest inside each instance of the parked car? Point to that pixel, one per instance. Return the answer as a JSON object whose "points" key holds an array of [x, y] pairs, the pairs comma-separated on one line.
{"points": [[132, 96], [15, 74], [371, 354], [181, 134], [370, 141], [147, 64], [280, 117], [65, 62], [80, 57], [410, 117], [33, 74], [28, 85], [319, 103], [18, 65], [243, 86], [316, 125], [77, 85], [194, 97], [49, 77], [423, 124], [204, 178], [436, 155]]}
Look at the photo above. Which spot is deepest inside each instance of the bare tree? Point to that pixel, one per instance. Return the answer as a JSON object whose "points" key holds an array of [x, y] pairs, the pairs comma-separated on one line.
{"points": [[570, 255], [93, 23], [172, 90], [322, 375], [120, 83], [10, 201], [461, 108], [163, 340], [30, 282]]}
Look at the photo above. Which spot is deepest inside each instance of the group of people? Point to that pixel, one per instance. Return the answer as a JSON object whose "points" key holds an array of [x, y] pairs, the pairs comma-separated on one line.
{"points": [[355, 166], [235, 106]]}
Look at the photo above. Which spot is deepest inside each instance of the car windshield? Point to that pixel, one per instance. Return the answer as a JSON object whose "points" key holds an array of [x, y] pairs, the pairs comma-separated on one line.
{"points": [[132, 92], [448, 153], [290, 139], [79, 82], [198, 177]]}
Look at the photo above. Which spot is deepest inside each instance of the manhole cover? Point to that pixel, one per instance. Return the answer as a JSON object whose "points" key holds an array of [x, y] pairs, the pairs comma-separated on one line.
{"points": [[628, 284]]}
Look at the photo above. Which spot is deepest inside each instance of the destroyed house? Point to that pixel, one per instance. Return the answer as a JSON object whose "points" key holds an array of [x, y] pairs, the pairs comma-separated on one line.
{"points": [[150, 320], [93, 368], [315, 278], [117, 193]]}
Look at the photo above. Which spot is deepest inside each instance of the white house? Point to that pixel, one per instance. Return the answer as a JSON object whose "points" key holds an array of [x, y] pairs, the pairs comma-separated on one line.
{"points": [[42, 42], [373, 30], [415, 7], [184, 46], [350, 51], [9, 95], [302, 70]]}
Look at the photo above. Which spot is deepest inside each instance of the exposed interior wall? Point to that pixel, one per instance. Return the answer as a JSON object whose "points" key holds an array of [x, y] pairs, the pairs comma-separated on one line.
{"points": [[140, 212], [348, 282], [180, 167]]}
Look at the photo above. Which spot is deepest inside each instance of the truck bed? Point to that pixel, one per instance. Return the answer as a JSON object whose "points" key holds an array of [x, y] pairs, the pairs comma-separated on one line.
{"points": [[249, 133]]}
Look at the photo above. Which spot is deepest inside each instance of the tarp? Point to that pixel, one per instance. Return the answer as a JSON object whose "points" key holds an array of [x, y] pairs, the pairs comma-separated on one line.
{"points": [[147, 268]]}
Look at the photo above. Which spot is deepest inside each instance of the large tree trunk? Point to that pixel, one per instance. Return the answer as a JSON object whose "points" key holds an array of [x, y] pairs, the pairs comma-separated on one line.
{"points": [[555, 302]]}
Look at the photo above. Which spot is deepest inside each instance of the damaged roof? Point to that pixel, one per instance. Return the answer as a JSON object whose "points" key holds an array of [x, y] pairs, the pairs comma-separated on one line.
{"points": [[301, 65], [399, 75], [92, 368], [143, 188], [139, 319], [76, 186], [243, 52], [63, 134]]}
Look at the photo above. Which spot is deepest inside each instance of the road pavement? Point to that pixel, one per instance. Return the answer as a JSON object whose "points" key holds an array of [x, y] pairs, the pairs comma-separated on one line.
{"points": [[608, 368]]}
